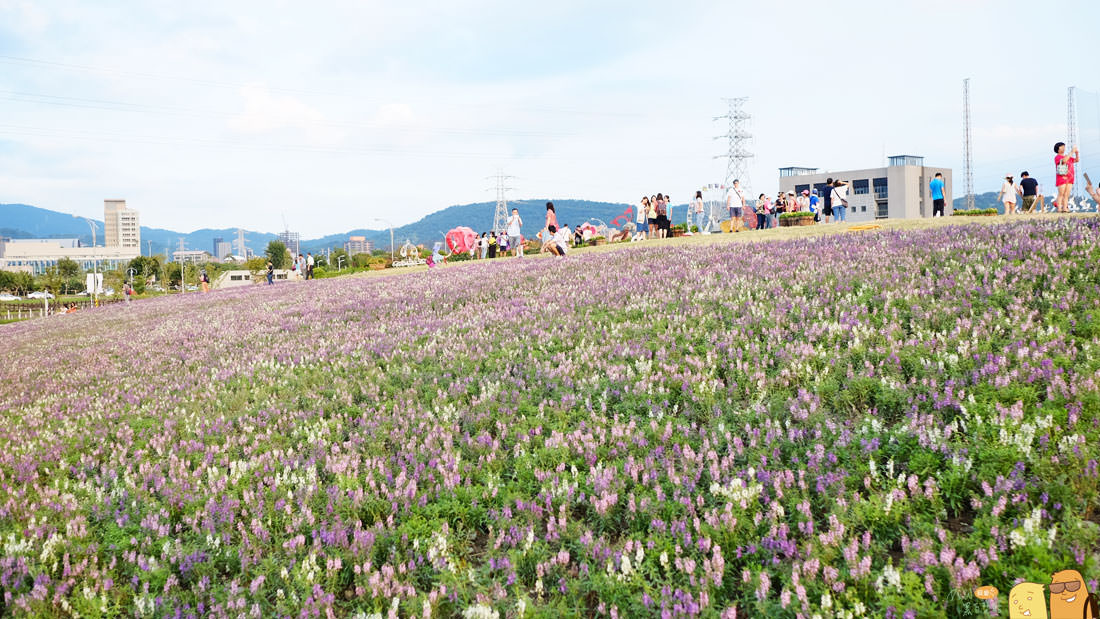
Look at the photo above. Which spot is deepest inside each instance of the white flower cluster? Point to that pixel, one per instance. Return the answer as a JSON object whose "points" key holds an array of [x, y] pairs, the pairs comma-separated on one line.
{"points": [[737, 490], [439, 548], [1030, 534], [480, 611], [890, 577]]}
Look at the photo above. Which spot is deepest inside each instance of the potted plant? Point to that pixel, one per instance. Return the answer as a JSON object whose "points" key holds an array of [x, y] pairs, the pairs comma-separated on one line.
{"points": [[679, 230], [597, 240]]}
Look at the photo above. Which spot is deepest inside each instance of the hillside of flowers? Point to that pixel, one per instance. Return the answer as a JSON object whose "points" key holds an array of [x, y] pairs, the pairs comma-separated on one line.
{"points": [[864, 424]]}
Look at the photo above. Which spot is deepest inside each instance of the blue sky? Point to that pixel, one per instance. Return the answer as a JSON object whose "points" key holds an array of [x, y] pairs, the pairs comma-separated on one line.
{"points": [[334, 114]]}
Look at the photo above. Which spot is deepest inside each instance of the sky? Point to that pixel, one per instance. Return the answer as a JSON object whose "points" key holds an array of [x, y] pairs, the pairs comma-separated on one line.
{"points": [[333, 116]]}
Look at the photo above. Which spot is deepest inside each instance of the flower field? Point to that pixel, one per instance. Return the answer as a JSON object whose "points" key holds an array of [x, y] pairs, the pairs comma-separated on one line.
{"points": [[852, 425]]}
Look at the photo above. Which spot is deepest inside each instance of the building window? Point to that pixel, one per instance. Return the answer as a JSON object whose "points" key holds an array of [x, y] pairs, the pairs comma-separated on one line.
{"points": [[881, 190], [883, 210], [859, 187], [821, 188], [863, 209], [798, 189]]}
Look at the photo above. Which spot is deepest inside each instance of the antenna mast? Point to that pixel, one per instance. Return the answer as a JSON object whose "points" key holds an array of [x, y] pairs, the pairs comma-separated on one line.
{"points": [[500, 213], [737, 138], [1071, 128], [968, 154]]}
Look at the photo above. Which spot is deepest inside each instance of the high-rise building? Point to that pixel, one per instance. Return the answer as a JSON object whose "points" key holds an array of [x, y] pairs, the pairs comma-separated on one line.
{"points": [[121, 227], [217, 241], [358, 245], [290, 239], [222, 249]]}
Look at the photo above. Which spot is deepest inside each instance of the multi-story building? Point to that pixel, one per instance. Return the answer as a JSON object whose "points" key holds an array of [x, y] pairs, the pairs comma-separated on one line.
{"points": [[121, 227], [217, 240], [358, 245], [897, 191], [291, 240], [222, 249]]}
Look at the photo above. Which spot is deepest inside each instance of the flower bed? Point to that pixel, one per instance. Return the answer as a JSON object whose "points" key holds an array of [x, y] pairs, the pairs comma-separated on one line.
{"points": [[796, 218], [897, 418], [976, 212]]}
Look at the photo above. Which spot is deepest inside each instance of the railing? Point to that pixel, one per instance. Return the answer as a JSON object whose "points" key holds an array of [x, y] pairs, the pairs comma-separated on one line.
{"points": [[12, 311]]}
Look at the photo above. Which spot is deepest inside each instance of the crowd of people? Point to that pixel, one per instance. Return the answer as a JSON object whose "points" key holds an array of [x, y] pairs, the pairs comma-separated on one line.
{"points": [[652, 216]]}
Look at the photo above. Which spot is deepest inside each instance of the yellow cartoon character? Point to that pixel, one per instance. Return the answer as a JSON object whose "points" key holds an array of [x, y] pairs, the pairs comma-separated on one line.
{"points": [[1027, 600], [1068, 597]]}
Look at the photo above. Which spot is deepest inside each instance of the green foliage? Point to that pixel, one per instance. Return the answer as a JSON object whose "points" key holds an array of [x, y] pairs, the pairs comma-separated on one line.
{"points": [[277, 254], [16, 282]]}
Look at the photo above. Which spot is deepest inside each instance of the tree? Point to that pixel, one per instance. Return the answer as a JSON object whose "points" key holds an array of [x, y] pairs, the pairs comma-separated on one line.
{"points": [[277, 254], [144, 267], [68, 268], [18, 282]]}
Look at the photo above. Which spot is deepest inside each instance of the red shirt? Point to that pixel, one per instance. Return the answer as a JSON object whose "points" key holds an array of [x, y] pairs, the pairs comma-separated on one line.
{"points": [[1064, 179]]}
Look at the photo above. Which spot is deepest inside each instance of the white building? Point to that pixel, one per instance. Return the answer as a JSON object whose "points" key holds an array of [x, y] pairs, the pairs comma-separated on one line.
{"points": [[121, 226], [897, 191], [36, 255], [358, 245]]}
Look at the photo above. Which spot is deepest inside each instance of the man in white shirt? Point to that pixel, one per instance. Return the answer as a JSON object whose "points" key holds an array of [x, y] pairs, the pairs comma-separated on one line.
{"points": [[514, 226], [309, 265], [559, 242], [735, 202]]}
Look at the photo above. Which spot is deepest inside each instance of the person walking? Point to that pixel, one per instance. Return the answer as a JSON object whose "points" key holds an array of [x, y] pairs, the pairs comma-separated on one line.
{"points": [[515, 225], [935, 186], [483, 244], [650, 216], [1029, 189], [840, 200], [1007, 196], [662, 215], [1064, 169], [270, 273], [827, 200], [697, 211], [763, 206], [735, 203], [204, 281], [492, 244], [309, 265]]}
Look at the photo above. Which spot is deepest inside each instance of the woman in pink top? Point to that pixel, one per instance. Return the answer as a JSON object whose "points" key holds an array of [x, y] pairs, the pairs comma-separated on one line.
{"points": [[1064, 174], [551, 220]]}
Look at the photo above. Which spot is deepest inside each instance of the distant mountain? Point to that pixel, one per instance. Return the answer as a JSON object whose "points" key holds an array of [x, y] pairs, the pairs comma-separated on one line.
{"points": [[25, 221], [480, 217]]}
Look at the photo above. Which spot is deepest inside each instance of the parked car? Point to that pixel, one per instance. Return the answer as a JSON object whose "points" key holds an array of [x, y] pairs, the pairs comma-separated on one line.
{"points": [[8, 297], [40, 294]]}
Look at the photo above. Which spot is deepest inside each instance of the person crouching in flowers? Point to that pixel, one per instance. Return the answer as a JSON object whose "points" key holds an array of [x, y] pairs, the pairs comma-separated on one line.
{"points": [[558, 241]]}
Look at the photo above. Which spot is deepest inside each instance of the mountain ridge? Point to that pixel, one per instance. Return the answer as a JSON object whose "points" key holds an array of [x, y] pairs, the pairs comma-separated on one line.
{"points": [[27, 221]]}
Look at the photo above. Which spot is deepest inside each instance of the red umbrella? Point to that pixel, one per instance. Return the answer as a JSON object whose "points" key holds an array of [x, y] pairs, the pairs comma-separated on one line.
{"points": [[461, 239]]}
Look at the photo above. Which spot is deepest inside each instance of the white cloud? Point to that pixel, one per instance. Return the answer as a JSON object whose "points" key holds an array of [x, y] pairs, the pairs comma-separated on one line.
{"points": [[265, 113]]}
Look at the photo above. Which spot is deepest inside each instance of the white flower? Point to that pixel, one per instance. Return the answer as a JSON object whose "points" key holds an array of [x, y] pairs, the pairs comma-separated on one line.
{"points": [[480, 611]]}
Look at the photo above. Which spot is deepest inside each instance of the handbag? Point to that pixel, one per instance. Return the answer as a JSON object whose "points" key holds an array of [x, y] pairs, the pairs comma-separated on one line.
{"points": [[1062, 168]]}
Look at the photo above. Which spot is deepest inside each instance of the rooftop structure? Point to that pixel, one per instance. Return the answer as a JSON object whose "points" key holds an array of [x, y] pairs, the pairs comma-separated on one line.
{"points": [[897, 191]]}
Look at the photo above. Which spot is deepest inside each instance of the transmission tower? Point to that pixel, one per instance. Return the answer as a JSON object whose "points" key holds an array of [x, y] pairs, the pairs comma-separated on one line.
{"points": [[500, 214], [968, 154], [1071, 127], [737, 137]]}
